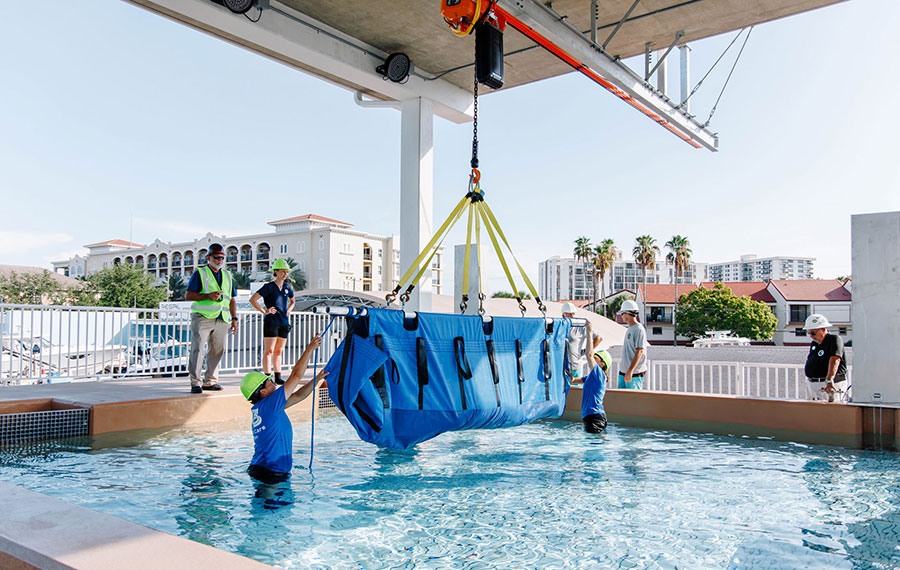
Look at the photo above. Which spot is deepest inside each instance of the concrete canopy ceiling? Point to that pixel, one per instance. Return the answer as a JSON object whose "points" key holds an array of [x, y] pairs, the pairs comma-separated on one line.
{"points": [[415, 27]]}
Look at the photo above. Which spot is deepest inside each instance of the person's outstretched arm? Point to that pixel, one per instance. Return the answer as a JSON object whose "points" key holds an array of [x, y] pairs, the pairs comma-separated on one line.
{"points": [[589, 346], [304, 391], [299, 368]]}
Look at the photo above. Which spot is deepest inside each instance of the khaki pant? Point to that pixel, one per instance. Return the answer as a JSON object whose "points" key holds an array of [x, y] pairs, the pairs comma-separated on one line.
{"points": [[203, 331]]}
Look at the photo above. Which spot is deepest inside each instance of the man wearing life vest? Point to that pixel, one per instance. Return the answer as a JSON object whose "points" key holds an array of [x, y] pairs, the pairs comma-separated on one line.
{"points": [[214, 311]]}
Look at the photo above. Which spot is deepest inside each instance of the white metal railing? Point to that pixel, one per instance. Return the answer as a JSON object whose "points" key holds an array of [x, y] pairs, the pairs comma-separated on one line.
{"points": [[49, 343], [754, 380]]}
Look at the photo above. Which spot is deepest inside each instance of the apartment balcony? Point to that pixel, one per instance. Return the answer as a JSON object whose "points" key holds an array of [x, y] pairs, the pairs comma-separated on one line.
{"points": [[246, 257], [367, 257], [151, 266], [163, 264], [262, 256]]}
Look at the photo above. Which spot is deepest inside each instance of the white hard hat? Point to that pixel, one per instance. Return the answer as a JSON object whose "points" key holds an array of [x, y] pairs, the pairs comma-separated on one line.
{"points": [[816, 321], [568, 308], [629, 306]]}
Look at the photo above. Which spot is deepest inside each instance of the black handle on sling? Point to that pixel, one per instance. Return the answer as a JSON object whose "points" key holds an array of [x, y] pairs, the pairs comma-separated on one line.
{"points": [[548, 366], [422, 368], [495, 371], [463, 371], [519, 368]]}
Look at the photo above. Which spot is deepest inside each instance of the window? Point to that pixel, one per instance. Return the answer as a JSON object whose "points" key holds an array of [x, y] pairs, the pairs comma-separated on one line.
{"points": [[799, 313], [799, 332], [321, 243], [657, 330], [321, 264], [367, 287], [842, 331], [321, 284], [283, 248], [301, 247], [301, 265]]}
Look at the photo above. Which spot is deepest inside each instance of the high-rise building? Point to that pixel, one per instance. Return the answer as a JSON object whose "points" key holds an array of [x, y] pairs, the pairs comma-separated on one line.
{"points": [[752, 268], [563, 278]]}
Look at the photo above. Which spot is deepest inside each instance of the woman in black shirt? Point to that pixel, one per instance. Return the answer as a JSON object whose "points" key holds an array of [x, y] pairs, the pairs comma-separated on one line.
{"points": [[279, 300]]}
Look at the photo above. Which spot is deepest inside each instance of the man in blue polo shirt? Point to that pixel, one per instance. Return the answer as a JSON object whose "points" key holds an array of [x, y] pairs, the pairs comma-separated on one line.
{"points": [[273, 434], [213, 312]]}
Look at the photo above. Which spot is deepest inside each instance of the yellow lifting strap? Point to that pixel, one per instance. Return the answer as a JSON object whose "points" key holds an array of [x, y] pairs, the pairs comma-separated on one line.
{"points": [[487, 225], [531, 288], [479, 211], [465, 289], [456, 215], [438, 236]]}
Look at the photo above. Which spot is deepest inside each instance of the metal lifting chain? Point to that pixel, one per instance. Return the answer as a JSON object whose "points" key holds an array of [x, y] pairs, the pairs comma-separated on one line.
{"points": [[474, 162]]}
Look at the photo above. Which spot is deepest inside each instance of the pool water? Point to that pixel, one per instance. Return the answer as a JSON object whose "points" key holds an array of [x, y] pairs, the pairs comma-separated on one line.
{"points": [[544, 495]]}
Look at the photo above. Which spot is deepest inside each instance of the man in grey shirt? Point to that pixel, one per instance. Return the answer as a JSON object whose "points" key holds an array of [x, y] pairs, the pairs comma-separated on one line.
{"points": [[634, 351]]}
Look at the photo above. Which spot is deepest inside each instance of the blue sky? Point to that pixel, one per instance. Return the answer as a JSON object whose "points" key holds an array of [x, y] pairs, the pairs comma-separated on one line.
{"points": [[112, 118]]}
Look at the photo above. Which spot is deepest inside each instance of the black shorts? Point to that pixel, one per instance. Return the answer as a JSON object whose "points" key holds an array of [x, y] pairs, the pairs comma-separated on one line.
{"points": [[266, 475], [273, 329], [594, 423]]}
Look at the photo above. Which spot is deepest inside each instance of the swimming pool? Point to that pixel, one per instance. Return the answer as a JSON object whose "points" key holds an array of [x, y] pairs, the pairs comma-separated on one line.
{"points": [[543, 495]]}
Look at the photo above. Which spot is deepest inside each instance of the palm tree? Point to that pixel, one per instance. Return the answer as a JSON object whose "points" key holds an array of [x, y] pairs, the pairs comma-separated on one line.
{"points": [[604, 257], [582, 251], [645, 252], [241, 279], [679, 255], [177, 287]]}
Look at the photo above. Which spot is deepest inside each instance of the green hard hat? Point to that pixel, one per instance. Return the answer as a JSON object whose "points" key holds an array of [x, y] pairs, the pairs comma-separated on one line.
{"points": [[605, 357], [252, 381], [280, 264]]}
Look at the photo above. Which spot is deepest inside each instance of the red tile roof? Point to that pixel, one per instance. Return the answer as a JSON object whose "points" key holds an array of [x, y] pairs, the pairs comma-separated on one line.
{"points": [[115, 242], [311, 217], [664, 293], [756, 290], [811, 290]]}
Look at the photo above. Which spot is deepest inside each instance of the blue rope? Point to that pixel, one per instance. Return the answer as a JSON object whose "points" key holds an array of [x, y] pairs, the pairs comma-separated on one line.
{"points": [[312, 432]]}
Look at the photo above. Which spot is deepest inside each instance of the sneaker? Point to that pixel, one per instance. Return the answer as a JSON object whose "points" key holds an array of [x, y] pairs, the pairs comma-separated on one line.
{"points": [[213, 387], [196, 390]]}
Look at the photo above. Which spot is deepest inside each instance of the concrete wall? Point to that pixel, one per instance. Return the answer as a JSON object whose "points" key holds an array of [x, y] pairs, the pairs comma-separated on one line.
{"points": [[876, 307]]}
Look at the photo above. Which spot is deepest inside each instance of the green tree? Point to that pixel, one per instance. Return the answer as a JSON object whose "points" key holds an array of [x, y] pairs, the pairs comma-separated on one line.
{"points": [[613, 307], [719, 308], [582, 253], [177, 287], [645, 251], [680, 256], [125, 285], [508, 295], [604, 257], [241, 279], [34, 288]]}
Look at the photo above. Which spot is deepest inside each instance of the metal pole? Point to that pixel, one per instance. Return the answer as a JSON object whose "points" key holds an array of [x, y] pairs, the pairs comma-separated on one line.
{"points": [[685, 53]]}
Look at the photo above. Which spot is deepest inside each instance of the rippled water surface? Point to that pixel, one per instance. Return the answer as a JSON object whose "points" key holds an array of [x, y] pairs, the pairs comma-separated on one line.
{"points": [[544, 495]]}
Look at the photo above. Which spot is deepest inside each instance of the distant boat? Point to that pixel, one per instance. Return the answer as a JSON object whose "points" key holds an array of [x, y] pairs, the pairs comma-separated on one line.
{"points": [[720, 338]]}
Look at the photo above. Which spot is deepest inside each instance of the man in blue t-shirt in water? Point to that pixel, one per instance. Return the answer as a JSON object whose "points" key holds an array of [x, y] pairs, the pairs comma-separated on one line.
{"points": [[273, 435], [592, 413]]}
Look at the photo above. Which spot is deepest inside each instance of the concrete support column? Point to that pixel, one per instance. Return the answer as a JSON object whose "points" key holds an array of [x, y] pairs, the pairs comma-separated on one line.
{"points": [[875, 247], [459, 259], [416, 191]]}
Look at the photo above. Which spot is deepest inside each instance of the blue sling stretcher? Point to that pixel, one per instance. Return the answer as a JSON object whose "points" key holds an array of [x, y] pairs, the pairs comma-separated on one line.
{"points": [[401, 380]]}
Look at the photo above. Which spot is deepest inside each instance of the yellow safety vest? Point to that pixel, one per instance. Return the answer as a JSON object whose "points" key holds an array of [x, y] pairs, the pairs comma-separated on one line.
{"points": [[209, 308]]}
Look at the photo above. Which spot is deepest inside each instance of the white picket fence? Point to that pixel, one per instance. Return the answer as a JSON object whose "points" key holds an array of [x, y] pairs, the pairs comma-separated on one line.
{"points": [[753, 380], [41, 343]]}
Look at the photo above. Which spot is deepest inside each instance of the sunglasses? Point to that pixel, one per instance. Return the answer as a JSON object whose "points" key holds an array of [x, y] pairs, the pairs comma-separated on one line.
{"points": [[217, 257]]}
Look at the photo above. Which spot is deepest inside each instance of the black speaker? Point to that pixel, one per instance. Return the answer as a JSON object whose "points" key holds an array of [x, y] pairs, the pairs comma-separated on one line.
{"points": [[489, 55]]}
